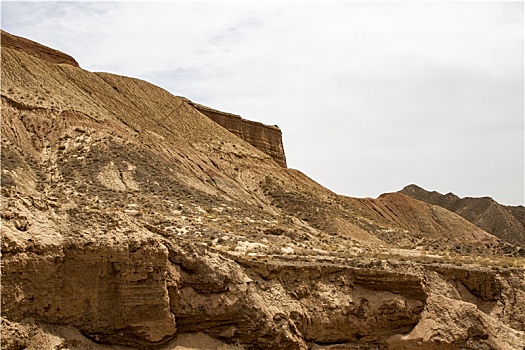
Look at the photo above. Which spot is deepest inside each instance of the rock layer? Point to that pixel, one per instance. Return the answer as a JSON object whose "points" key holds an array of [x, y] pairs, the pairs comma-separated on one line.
{"points": [[115, 292], [267, 138]]}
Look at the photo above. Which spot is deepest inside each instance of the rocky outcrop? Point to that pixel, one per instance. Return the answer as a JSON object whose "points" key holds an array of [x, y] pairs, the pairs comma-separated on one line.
{"points": [[117, 283], [144, 290], [139, 290], [35, 49], [340, 304], [267, 138], [464, 308]]}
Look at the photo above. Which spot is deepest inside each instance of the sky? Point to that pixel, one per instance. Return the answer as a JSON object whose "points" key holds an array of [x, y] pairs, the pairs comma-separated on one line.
{"points": [[370, 96]]}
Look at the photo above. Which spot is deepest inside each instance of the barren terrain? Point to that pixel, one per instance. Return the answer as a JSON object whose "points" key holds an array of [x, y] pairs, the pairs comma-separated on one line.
{"points": [[131, 220]]}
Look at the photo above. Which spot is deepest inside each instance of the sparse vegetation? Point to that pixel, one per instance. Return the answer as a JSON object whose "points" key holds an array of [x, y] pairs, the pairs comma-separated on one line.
{"points": [[194, 207]]}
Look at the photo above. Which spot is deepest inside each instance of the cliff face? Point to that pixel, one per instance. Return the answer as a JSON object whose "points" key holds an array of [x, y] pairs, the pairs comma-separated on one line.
{"points": [[267, 138], [131, 220]]}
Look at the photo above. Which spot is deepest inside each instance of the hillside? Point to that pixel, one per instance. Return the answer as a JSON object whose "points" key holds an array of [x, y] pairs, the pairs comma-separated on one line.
{"points": [[505, 222], [131, 219]]}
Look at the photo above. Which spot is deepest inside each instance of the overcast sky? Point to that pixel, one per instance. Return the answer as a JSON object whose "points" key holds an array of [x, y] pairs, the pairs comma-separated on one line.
{"points": [[370, 96]]}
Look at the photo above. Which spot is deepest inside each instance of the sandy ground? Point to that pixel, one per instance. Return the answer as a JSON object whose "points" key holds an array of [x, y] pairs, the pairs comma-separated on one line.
{"points": [[199, 341], [45, 336]]}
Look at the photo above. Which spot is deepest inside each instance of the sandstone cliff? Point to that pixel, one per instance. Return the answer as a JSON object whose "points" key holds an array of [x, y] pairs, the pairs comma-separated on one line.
{"points": [[264, 137], [130, 220]]}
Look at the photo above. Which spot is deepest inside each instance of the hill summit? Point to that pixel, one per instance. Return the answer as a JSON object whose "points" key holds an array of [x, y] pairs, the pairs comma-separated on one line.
{"points": [[136, 219]]}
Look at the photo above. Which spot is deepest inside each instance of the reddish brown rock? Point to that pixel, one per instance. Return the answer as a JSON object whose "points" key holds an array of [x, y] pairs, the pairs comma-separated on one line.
{"points": [[267, 138]]}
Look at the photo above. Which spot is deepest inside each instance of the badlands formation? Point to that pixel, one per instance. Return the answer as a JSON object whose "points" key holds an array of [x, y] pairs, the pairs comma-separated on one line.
{"points": [[135, 219]]}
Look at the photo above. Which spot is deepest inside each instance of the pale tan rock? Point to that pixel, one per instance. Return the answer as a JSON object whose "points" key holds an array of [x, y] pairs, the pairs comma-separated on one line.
{"points": [[448, 323], [114, 290]]}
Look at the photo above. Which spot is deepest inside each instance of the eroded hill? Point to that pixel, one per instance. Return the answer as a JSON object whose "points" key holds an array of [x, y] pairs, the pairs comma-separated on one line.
{"points": [[130, 219], [505, 222]]}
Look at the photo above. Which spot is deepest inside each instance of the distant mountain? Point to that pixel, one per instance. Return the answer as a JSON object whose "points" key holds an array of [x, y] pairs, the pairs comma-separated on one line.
{"points": [[505, 222]]}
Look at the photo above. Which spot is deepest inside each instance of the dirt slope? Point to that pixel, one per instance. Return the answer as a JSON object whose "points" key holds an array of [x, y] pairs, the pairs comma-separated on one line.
{"points": [[505, 222], [43, 52], [132, 220]]}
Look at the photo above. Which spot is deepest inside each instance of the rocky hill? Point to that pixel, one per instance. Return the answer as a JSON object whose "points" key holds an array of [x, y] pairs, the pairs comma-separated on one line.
{"points": [[131, 220], [505, 222]]}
